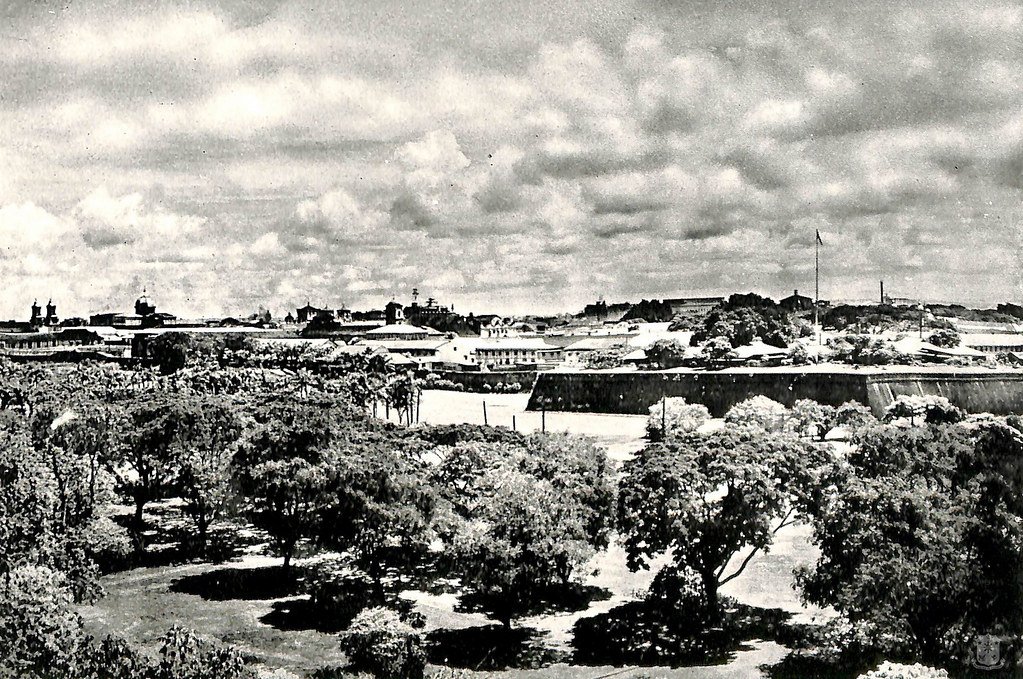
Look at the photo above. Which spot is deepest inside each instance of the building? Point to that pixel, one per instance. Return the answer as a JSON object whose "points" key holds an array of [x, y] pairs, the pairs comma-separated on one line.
{"points": [[796, 302], [401, 331], [115, 319], [693, 304], [394, 313], [40, 343], [517, 351], [431, 308], [993, 343]]}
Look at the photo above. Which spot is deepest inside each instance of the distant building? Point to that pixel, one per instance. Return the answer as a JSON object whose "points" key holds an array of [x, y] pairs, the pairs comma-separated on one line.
{"points": [[518, 351], [993, 343], [796, 302], [401, 332], [143, 307], [41, 343], [693, 304], [115, 319], [394, 313]]}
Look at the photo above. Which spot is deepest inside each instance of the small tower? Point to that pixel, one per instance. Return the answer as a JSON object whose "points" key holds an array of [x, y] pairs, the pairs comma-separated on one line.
{"points": [[142, 305], [394, 313], [415, 297], [36, 318], [51, 314]]}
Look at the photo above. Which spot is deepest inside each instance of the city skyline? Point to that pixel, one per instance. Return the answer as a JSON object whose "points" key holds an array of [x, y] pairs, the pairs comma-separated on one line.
{"points": [[513, 158]]}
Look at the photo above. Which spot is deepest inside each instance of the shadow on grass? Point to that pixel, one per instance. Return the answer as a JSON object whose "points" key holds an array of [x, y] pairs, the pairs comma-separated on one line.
{"points": [[490, 647], [649, 633], [269, 582], [169, 539], [296, 615], [797, 665], [563, 598]]}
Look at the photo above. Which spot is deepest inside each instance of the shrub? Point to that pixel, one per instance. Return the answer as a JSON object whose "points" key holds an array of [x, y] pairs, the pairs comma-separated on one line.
{"points": [[799, 355], [890, 670], [931, 409], [679, 417], [854, 416], [379, 642], [945, 338], [38, 629], [184, 655], [760, 412]]}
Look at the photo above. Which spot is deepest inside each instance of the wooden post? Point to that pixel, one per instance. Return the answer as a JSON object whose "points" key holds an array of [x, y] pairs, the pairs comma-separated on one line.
{"points": [[543, 420], [485, 414], [419, 403], [513, 423]]}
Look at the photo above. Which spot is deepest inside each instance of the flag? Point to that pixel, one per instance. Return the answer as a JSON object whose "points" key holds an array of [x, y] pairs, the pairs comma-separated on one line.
{"points": [[819, 241]]}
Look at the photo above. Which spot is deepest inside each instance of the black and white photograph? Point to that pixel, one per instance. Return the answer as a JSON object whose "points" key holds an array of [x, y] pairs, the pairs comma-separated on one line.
{"points": [[518, 339]]}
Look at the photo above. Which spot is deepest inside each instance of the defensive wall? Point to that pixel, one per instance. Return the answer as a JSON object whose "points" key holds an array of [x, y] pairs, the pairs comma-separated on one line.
{"points": [[998, 392]]}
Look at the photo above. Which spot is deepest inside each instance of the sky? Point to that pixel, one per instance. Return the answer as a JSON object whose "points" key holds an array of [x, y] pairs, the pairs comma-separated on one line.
{"points": [[505, 156]]}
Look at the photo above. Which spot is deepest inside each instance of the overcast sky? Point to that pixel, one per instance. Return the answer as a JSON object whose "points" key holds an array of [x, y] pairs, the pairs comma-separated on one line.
{"points": [[505, 156]]}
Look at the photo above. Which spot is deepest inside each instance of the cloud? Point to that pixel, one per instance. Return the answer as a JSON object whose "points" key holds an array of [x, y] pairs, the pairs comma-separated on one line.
{"points": [[567, 150]]}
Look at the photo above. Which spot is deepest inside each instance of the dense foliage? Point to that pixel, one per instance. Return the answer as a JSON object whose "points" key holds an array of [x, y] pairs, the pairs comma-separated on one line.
{"points": [[920, 537]]}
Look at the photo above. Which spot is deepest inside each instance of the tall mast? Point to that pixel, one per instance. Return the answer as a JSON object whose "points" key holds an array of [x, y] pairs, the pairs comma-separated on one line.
{"points": [[816, 276]]}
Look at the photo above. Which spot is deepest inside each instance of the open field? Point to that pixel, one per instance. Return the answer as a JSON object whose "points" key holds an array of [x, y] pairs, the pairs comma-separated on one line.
{"points": [[142, 603]]}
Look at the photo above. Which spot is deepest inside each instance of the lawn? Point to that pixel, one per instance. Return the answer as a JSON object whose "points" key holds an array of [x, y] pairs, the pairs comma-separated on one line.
{"points": [[267, 624]]}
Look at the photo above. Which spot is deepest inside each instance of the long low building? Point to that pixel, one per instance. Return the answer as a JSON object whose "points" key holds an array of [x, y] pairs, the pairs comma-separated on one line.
{"points": [[42, 342], [517, 351], [993, 343]]}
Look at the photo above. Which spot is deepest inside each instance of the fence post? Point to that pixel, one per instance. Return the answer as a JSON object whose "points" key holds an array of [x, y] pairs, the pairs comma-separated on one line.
{"points": [[485, 414], [513, 423], [543, 420]]}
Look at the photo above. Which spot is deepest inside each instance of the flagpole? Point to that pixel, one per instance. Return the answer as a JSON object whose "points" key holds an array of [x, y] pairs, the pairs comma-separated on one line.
{"points": [[817, 283]]}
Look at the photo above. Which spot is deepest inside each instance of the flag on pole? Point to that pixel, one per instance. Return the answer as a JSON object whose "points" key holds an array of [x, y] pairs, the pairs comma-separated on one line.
{"points": [[819, 241]]}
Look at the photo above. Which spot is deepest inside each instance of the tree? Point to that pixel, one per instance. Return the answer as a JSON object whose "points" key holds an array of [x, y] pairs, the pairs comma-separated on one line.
{"points": [[39, 631], [865, 350], [717, 349], [205, 452], [930, 409], [742, 324], [665, 353], [522, 520], [147, 467], [810, 419], [707, 497], [674, 417], [947, 337], [283, 465], [920, 535], [35, 529], [604, 359], [380, 643], [375, 503], [854, 416], [760, 412]]}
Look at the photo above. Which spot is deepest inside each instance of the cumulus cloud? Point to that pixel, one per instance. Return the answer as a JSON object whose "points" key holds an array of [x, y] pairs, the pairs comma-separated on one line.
{"points": [[575, 150]]}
